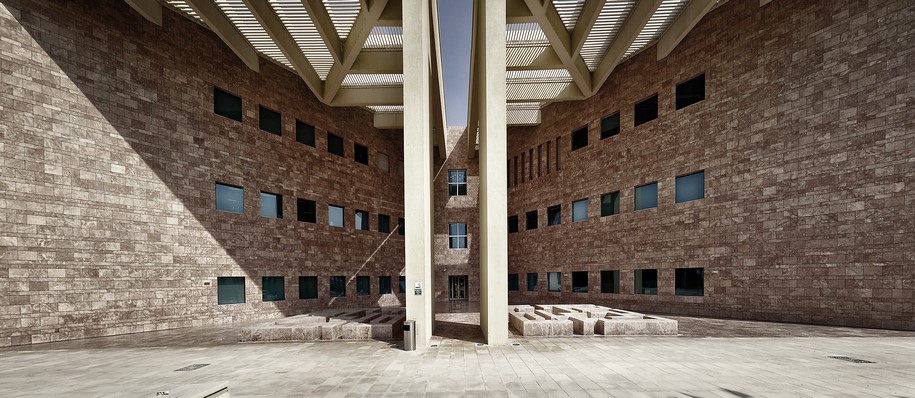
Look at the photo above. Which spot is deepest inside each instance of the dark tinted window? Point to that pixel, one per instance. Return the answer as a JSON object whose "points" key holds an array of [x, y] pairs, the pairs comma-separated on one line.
{"points": [[270, 121], [646, 281], [512, 224], [273, 288], [337, 286], [610, 126], [304, 133], [647, 110], [361, 153], [580, 282], [457, 236], [513, 283], [308, 287], [306, 210], [362, 220], [384, 223], [646, 196], [691, 187], [690, 281], [610, 204], [610, 281], [580, 138], [335, 144], [384, 285], [691, 91], [230, 290], [401, 226], [554, 215], [230, 198], [363, 285], [530, 220], [225, 104], [402, 284], [532, 281]]}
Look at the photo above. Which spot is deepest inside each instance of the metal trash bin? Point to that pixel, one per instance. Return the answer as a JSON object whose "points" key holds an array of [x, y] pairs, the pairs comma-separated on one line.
{"points": [[409, 336]]}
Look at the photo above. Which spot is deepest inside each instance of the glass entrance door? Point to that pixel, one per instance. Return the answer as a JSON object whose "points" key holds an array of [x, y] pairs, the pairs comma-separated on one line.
{"points": [[458, 284]]}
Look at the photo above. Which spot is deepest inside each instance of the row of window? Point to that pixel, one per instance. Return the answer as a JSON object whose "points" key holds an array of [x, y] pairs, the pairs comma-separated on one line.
{"points": [[688, 188], [230, 106], [231, 198], [687, 93], [687, 282], [231, 289]]}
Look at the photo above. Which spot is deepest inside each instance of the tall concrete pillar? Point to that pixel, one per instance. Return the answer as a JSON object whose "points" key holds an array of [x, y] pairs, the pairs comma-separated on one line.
{"points": [[493, 192], [417, 54]]}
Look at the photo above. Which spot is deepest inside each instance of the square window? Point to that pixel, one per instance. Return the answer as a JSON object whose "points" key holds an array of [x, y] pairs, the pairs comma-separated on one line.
{"points": [[363, 285], [383, 162], [230, 198], [530, 220], [270, 121], [689, 281], [512, 224], [580, 138], [384, 285], [554, 281], [384, 223], [457, 236], [227, 105], [362, 220], [401, 226], [335, 216], [402, 284], [580, 282], [513, 283], [304, 133], [646, 281], [580, 210], [338, 286], [610, 204], [273, 288], [554, 215], [308, 287], [271, 205], [457, 182], [691, 187], [691, 91], [646, 110], [646, 196], [610, 126], [610, 281], [532, 281], [307, 211], [361, 153], [230, 290], [335, 144]]}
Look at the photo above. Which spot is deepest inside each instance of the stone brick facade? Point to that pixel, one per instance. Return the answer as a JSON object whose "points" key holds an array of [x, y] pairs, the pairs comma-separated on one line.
{"points": [[807, 140], [110, 152]]}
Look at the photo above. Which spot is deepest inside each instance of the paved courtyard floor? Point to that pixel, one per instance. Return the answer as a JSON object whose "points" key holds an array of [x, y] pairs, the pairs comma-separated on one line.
{"points": [[711, 358]]}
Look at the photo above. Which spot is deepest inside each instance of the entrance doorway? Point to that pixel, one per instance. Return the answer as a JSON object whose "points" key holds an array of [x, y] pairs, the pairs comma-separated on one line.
{"points": [[458, 287]]}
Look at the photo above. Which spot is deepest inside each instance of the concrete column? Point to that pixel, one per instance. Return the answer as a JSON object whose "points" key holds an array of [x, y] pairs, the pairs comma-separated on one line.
{"points": [[493, 192], [417, 54]]}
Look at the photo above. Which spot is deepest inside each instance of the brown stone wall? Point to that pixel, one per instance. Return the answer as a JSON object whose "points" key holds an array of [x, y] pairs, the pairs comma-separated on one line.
{"points": [[457, 209], [110, 151], [807, 139]]}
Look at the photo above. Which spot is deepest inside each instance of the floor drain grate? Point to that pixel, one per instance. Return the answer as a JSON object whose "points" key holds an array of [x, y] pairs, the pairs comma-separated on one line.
{"points": [[189, 368], [850, 359], [516, 344]]}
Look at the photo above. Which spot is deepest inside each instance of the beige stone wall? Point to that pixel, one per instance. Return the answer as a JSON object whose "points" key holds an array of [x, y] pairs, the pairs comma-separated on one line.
{"points": [[807, 140], [110, 151]]}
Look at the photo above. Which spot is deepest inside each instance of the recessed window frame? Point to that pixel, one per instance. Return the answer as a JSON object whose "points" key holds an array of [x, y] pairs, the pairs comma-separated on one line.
{"points": [[645, 110], [513, 224], [531, 220], [239, 208], [514, 283], [384, 223], [646, 281], [579, 138], [457, 236], [228, 289], [266, 122], [610, 126], [579, 281], [361, 219], [360, 153], [457, 182], [337, 286], [304, 133], [332, 211], [685, 281], [273, 288], [686, 192], [554, 281], [306, 210], [219, 105], [554, 215], [580, 210], [384, 162], [532, 282], [690, 91], [384, 285], [363, 285], [335, 145], [308, 287], [265, 198], [643, 190], [610, 204], [610, 281]]}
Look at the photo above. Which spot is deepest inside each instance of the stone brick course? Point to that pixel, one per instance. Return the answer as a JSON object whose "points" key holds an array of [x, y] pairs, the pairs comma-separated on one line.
{"points": [[111, 151], [807, 140]]}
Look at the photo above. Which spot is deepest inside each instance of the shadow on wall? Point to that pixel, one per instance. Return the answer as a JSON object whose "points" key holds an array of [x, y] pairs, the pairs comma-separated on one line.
{"points": [[111, 156]]}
